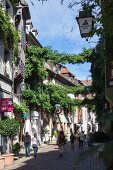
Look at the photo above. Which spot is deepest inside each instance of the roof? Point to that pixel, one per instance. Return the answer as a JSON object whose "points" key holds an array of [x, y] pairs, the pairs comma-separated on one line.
{"points": [[64, 70], [86, 82], [30, 36]]}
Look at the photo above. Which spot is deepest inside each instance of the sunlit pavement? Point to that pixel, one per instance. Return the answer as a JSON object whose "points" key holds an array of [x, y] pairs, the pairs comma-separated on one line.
{"points": [[49, 159]]}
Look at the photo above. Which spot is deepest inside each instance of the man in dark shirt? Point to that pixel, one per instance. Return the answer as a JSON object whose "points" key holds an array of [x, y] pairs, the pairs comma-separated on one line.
{"points": [[27, 143]]}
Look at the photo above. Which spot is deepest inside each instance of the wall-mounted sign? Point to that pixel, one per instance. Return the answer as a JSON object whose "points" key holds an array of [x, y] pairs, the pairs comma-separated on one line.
{"points": [[24, 116], [6, 104]]}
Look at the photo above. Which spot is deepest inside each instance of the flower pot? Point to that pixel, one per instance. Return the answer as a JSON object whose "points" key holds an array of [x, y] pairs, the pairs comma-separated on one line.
{"points": [[9, 159], [2, 162]]}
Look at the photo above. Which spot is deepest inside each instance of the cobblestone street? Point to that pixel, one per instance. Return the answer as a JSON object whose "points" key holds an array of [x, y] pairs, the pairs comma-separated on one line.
{"points": [[49, 159]]}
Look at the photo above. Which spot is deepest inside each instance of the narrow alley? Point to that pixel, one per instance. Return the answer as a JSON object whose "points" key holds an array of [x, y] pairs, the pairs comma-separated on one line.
{"points": [[49, 159]]}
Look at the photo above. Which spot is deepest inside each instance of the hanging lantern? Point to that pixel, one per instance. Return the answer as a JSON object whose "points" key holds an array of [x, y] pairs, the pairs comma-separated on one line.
{"points": [[58, 109], [86, 23], [22, 86]]}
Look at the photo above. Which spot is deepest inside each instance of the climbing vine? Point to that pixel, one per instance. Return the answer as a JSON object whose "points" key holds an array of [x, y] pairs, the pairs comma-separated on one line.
{"points": [[47, 95], [8, 34], [46, 53], [98, 78]]}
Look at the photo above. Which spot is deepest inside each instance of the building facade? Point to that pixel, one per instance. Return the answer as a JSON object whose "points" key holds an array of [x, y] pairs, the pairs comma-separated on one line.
{"points": [[6, 74]]}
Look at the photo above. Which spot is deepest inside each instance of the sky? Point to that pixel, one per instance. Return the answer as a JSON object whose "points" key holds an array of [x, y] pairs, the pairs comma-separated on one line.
{"points": [[57, 27]]}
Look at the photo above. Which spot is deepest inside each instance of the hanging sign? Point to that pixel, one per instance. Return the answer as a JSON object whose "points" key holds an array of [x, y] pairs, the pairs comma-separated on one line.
{"points": [[85, 25], [6, 104]]}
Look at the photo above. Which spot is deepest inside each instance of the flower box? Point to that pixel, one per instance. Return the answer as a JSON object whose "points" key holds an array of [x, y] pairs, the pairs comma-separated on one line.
{"points": [[2, 162], [9, 159]]}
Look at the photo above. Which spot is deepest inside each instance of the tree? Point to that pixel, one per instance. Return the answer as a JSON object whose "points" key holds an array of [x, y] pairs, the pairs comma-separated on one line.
{"points": [[45, 96], [9, 128]]}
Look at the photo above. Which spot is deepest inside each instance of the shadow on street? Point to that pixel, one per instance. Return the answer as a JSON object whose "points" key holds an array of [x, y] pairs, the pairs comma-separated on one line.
{"points": [[49, 159]]}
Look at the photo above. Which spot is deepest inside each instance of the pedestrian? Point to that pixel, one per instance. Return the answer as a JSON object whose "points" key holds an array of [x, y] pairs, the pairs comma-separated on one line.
{"points": [[72, 140], [88, 140], [78, 137], [81, 139], [35, 143], [61, 141], [27, 143]]}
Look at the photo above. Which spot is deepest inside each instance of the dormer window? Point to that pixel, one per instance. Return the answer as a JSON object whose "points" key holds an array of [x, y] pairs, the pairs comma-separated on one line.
{"points": [[6, 56]]}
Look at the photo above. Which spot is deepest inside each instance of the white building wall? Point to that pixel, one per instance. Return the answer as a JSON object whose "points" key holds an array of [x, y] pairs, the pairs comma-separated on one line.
{"points": [[27, 126], [85, 119], [33, 124]]}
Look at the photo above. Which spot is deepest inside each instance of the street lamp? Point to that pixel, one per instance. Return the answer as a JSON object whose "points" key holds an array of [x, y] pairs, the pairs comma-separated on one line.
{"points": [[58, 108], [22, 86], [86, 22]]}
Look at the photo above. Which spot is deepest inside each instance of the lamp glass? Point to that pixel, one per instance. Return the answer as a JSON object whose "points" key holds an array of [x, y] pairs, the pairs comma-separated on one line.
{"points": [[22, 86], [58, 108]]}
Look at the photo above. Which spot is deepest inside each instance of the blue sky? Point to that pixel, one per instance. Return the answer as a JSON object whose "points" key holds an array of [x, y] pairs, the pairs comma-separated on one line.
{"points": [[57, 27]]}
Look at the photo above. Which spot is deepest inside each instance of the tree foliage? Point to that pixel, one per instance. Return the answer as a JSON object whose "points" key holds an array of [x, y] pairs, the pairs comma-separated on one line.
{"points": [[9, 127], [46, 96], [8, 34], [20, 108], [98, 77]]}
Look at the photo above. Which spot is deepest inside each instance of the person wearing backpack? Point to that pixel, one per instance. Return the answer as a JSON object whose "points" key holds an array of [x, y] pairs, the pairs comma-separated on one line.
{"points": [[27, 143], [61, 142]]}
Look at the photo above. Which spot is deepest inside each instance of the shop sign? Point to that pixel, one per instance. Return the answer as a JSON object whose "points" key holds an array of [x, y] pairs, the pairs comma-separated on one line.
{"points": [[6, 104]]}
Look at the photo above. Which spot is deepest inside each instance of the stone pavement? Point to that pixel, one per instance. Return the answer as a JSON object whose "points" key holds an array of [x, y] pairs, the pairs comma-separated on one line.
{"points": [[49, 159]]}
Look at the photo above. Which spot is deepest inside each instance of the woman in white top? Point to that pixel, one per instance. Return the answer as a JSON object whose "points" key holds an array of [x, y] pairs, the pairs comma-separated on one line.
{"points": [[35, 145]]}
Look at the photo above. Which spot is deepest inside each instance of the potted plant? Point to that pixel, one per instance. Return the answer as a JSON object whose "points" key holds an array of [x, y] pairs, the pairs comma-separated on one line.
{"points": [[16, 149], [9, 128]]}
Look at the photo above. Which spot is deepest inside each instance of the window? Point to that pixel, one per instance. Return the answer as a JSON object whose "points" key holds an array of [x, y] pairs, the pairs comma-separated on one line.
{"points": [[6, 63], [6, 53]]}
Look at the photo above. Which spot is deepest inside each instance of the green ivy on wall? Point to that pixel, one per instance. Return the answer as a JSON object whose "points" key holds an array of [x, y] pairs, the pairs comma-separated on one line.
{"points": [[8, 34], [46, 96]]}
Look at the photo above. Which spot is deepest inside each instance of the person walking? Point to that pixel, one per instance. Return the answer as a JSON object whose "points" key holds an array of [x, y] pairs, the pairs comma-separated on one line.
{"points": [[72, 140], [35, 143], [81, 139], [27, 143], [88, 140], [61, 141]]}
